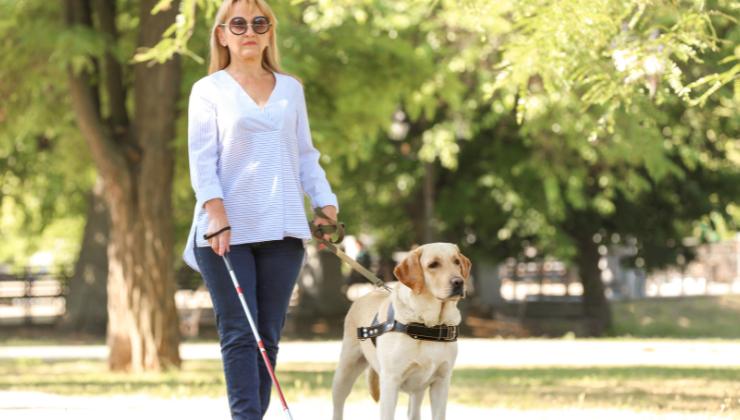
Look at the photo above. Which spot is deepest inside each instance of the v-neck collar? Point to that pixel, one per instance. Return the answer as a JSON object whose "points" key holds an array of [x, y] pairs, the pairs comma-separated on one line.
{"points": [[244, 92]]}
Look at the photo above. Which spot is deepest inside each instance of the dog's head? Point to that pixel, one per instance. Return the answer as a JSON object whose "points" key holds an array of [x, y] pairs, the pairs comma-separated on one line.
{"points": [[439, 268]]}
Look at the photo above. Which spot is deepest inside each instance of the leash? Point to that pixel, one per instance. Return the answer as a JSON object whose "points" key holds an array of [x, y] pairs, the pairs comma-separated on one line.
{"points": [[318, 232]]}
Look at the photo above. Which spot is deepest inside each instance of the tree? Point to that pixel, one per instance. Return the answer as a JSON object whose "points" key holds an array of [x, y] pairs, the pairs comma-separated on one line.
{"points": [[88, 283], [483, 123], [589, 121], [129, 140]]}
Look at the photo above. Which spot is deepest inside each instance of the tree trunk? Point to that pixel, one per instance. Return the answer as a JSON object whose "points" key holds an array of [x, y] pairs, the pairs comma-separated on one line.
{"points": [[135, 161], [320, 284], [595, 305], [143, 328], [88, 284], [332, 301]]}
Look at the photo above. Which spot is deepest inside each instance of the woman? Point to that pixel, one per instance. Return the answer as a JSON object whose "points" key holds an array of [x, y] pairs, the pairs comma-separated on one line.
{"points": [[251, 160]]}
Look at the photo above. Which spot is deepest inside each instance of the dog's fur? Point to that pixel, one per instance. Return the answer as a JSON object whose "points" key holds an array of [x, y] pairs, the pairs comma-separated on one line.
{"points": [[426, 294]]}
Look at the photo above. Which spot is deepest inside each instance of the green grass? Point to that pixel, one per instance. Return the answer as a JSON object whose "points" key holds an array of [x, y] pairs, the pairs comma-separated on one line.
{"points": [[687, 317], [654, 389]]}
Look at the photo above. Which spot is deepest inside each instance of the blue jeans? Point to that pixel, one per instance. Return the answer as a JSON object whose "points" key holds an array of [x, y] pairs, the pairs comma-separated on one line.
{"points": [[267, 272]]}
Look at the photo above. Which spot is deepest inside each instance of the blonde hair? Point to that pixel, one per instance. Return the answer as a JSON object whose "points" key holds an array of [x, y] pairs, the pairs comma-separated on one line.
{"points": [[220, 56]]}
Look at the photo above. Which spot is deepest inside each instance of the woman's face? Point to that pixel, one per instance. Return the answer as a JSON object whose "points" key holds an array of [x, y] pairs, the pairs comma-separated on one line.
{"points": [[249, 45]]}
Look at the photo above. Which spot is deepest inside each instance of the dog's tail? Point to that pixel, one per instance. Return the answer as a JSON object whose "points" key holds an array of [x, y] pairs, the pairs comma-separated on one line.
{"points": [[373, 383]]}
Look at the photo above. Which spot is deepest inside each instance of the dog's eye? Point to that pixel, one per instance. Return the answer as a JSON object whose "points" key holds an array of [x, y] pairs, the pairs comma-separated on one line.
{"points": [[433, 264], [457, 262]]}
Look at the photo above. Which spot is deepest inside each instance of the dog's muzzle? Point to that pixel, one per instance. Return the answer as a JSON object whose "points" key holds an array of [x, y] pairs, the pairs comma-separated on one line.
{"points": [[458, 287]]}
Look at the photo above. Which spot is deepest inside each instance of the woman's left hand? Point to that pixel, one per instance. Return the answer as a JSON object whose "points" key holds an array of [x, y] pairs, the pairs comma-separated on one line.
{"points": [[331, 212]]}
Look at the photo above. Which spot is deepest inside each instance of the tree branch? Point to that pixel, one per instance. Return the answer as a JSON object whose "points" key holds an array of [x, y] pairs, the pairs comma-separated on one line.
{"points": [[112, 68], [105, 151], [156, 86]]}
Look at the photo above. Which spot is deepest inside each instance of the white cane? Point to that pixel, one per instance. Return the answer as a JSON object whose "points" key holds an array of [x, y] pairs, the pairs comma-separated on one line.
{"points": [[257, 336]]}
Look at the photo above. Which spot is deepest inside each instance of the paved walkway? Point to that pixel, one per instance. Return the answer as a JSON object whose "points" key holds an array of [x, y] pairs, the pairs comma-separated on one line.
{"points": [[472, 352], [38, 406]]}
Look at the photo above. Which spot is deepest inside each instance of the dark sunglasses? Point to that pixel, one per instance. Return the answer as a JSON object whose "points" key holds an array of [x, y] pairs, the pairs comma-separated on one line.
{"points": [[238, 25]]}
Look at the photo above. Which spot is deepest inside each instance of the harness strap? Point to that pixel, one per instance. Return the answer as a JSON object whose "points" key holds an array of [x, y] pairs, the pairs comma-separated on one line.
{"points": [[422, 332], [414, 330], [375, 329]]}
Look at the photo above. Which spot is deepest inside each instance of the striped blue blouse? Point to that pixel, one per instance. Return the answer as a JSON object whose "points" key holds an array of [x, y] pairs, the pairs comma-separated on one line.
{"points": [[260, 161]]}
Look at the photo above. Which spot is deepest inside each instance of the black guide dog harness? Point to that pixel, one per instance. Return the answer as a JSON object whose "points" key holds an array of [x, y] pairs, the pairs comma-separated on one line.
{"points": [[414, 330]]}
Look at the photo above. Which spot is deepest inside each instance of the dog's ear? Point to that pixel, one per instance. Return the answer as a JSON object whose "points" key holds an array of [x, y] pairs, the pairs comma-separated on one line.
{"points": [[409, 271], [465, 265]]}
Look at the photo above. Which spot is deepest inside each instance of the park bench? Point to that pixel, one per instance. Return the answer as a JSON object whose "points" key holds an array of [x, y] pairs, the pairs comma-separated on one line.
{"points": [[32, 295]]}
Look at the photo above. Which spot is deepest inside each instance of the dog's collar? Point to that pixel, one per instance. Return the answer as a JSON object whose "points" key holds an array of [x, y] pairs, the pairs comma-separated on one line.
{"points": [[414, 330]]}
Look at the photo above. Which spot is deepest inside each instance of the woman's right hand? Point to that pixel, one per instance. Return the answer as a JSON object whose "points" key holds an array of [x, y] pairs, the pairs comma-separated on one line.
{"points": [[217, 221]]}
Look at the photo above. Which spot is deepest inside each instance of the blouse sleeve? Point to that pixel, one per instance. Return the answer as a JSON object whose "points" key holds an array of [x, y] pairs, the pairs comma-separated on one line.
{"points": [[203, 147], [313, 177]]}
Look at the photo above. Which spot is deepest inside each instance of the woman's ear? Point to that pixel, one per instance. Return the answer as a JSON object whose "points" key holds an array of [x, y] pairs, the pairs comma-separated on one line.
{"points": [[221, 37], [409, 271]]}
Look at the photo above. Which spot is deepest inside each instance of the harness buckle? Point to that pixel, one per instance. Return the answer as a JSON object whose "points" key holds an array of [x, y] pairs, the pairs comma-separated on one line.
{"points": [[451, 333], [362, 333]]}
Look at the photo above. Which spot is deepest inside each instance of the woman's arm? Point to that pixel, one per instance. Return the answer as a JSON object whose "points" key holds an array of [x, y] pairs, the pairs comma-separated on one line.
{"points": [[313, 177], [203, 147], [203, 158]]}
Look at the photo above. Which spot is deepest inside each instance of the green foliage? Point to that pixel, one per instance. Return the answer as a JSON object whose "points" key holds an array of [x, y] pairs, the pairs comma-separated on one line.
{"points": [[528, 112], [175, 36], [607, 51], [45, 171]]}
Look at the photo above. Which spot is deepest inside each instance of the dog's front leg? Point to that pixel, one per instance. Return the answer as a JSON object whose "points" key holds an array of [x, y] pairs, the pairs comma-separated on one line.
{"points": [[415, 400], [389, 388], [438, 397]]}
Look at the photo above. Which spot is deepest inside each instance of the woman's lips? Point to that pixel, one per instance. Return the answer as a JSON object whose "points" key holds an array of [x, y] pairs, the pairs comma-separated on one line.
{"points": [[249, 43]]}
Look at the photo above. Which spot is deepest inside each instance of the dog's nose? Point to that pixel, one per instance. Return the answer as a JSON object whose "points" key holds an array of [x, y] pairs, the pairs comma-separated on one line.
{"points": [[457, 285], [458, 288]]}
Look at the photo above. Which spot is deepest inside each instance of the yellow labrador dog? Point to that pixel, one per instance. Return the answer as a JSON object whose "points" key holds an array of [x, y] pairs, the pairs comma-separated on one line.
{"points": [[416, 328]]}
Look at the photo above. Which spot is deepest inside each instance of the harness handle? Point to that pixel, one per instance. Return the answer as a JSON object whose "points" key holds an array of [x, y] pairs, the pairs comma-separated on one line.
{"points": [[337, 228], [332, 229]]}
